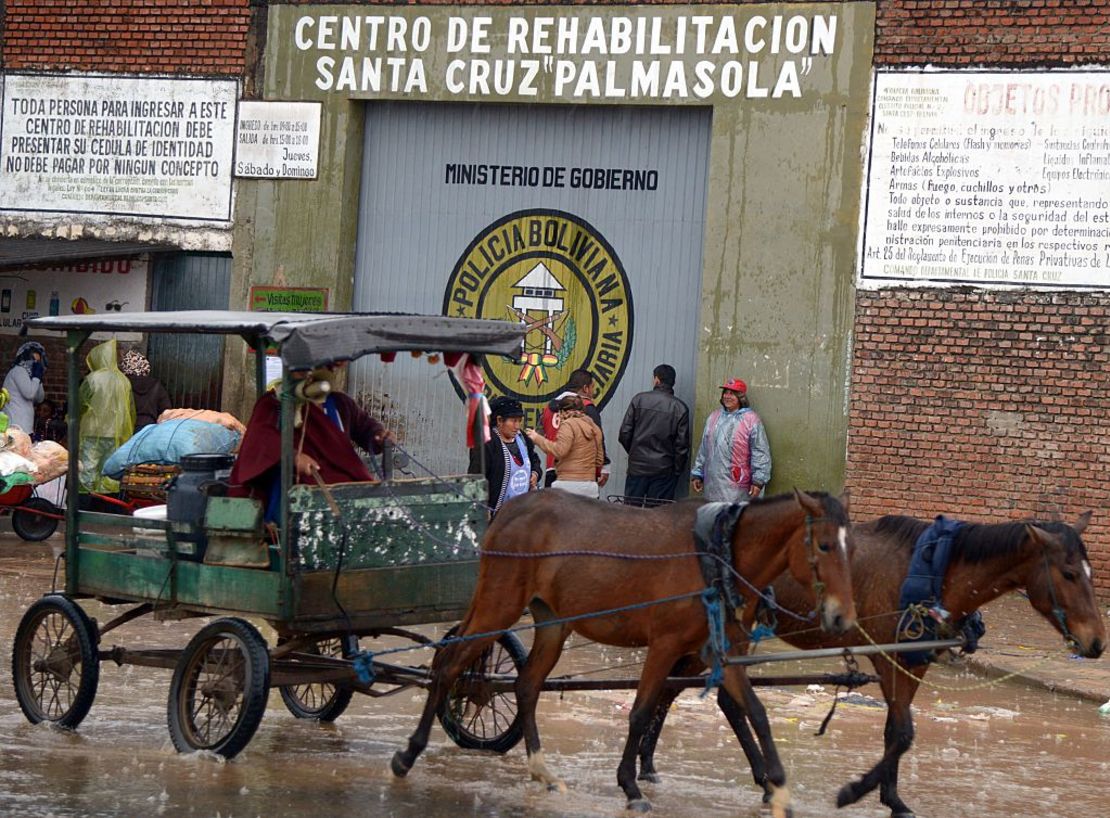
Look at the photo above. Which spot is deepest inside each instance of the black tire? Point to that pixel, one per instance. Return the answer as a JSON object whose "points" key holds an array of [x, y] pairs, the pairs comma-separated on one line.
{"points": [[480, 719], [323, 701], [219, 689], [55, 663], [31, 526]]}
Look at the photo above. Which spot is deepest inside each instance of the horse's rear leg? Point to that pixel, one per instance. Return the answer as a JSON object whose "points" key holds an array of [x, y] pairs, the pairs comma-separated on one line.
{"points": [[739, 687], [686, 666], [448, 665], [543, 657], [656, 666], [899, 690], [739, 723]]}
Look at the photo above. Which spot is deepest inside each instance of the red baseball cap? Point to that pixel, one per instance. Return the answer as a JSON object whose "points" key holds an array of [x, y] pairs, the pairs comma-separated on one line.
{"points": [[735, 385]]}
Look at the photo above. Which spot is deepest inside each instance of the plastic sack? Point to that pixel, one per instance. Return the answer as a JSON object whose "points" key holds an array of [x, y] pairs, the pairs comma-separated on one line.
{"points": [[51, 460], [166, 443], [18, 441], [225, 419], [11, 463]]}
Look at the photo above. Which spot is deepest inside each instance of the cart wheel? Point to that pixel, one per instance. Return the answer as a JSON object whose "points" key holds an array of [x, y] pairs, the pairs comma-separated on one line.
{"points": [[55, 664], [31, 526], [219, 688], [477, 718], [323, 701]]}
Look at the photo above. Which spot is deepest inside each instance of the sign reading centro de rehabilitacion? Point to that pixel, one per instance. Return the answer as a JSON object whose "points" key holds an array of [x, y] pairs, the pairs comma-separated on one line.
{"points": [[569, 54], [117, 145], [556, 274]]}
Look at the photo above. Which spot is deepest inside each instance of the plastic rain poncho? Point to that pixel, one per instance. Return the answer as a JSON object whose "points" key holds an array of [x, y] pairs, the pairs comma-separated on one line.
{"points": [[107, 417], [734, 453]]}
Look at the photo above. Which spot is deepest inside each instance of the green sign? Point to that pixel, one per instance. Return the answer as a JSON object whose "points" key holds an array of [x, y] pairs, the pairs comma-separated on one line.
{"points": [[289, 299]]}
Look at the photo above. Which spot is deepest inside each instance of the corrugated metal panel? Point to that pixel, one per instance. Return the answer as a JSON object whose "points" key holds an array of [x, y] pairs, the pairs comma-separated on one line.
{"points": [[413, 228], [190, 366]]}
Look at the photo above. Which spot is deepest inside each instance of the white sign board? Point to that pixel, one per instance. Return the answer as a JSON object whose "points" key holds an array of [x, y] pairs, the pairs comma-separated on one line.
{"points": [[89, 287], [989, 178], [118, 145], [278, 140]]}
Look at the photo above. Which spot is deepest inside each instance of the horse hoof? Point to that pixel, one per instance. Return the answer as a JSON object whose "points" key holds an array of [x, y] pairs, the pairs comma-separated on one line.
{"points": [[639, 805], [903, 815], [651, 778], [557, 786], [398, 765], [847, 795]]}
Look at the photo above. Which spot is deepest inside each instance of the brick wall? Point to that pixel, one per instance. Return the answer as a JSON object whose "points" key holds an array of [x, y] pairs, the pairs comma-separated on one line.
{"points": [[985, 404], [988, 405], [992, 32], [127, 36]]}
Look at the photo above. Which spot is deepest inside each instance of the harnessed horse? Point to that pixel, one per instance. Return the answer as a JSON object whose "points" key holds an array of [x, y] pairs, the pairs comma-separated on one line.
{"points": [[641, 556]]}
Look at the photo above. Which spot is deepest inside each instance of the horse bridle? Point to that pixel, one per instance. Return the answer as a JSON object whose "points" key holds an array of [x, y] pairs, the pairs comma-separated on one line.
{"points": [[1058, 612], [812, 546]]}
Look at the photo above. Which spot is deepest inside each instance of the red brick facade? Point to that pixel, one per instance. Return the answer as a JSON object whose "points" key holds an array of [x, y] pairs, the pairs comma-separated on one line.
{"points": [[991, 32], [985, 404], [127, 36], [992, 405]]}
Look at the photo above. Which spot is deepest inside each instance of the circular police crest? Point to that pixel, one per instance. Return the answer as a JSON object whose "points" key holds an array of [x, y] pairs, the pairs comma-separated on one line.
{"points": [[556, 274]]}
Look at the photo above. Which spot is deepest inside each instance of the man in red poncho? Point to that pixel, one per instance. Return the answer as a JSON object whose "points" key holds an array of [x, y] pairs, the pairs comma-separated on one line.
{"points": [[326, 424]]}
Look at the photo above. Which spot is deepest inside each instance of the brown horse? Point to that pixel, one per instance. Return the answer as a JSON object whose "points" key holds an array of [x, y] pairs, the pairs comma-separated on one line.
{"points": [[1047, 559], [532, 559]]}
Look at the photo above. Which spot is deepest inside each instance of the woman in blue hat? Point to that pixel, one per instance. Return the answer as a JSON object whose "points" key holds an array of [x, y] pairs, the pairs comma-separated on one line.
{"points": [[734, 458]]}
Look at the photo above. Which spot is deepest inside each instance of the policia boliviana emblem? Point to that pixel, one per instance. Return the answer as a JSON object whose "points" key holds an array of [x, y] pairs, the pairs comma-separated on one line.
{"points": [[558, 276]]}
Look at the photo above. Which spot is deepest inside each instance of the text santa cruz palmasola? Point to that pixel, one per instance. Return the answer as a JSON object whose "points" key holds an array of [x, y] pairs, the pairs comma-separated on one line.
{"points": [[570, 55]]}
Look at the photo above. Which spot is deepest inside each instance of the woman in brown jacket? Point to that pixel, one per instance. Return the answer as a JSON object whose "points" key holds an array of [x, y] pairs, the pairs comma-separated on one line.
{"points": [[577, 449]]}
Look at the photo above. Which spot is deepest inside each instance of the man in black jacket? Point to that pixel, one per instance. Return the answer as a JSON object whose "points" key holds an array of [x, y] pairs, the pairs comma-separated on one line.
{"points": [[656, 434]]}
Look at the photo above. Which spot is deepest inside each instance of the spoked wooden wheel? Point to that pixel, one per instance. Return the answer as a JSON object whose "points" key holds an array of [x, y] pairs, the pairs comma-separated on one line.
{"points": [[219, 688], [323, 701], [474, 715], [55, 664]]}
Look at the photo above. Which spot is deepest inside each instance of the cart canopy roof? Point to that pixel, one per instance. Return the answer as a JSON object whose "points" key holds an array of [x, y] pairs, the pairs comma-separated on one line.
{"points": [[314, 339]]}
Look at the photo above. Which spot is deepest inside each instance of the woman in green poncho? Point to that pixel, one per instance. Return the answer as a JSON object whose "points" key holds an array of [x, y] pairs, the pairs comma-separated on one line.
{"points": [[107, 417]]}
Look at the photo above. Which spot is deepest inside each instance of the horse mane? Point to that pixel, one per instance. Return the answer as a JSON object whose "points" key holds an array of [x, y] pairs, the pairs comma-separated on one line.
{"points": [[831, 505], [978, 542]]}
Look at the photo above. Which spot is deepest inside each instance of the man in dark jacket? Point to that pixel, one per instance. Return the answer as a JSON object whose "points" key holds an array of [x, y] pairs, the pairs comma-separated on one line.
{"points": [[656, 434]]}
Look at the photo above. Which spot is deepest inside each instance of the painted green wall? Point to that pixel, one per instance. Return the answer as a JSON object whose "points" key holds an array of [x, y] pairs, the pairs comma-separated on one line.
{"points": [[785, 181]]}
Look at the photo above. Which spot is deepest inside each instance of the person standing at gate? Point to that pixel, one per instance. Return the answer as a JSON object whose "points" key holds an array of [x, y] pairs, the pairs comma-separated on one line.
{"points": [[577, 449], [512, 466], [151, 398], [580, 383], [107, 412], [734, 458], [656, 434], [24, 385]]}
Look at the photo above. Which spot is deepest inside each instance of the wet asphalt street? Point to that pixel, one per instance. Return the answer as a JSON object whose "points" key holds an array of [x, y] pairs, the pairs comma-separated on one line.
{"points": [[1003, 752]]}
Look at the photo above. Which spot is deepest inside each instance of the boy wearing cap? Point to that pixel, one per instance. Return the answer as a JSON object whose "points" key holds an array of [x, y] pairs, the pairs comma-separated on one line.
{"points": [[734, 458], [512, 466]]}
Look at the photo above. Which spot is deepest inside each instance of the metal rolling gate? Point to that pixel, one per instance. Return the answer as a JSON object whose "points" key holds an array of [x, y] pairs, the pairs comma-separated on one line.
{"points": [[455, 195]]}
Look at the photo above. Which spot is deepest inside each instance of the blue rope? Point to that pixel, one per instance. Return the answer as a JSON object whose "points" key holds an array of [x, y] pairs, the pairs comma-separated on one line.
{"points": [[716, 646], [364, 660]]}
